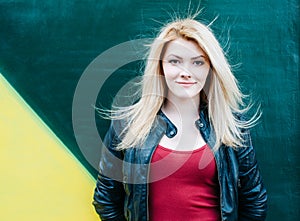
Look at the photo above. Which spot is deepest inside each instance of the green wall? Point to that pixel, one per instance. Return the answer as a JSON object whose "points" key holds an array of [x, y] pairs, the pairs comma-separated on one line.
{"points": [[45, 47]]}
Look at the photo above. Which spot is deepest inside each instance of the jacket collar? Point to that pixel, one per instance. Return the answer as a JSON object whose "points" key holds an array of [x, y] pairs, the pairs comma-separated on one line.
{"points": [[171, 129], [202, 124]]}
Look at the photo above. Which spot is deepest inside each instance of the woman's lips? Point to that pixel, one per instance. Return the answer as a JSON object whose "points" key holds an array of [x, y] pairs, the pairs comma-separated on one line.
{"points": [[186, 84]]}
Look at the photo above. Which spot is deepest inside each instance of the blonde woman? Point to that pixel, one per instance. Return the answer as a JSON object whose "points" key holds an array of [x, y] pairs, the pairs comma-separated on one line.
{"points": [[183, 151]]}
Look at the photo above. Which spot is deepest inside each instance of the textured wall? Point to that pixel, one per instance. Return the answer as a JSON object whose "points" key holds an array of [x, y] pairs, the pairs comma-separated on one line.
{"points": [[46, 45]]}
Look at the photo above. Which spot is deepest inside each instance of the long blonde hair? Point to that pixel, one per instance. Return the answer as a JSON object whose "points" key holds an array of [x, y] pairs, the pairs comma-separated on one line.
{"points": [[224, 98]]}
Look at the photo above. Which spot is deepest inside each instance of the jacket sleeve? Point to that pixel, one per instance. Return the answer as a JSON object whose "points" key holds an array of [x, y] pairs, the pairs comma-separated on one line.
{"points": [[109, 191], [252, 193]]}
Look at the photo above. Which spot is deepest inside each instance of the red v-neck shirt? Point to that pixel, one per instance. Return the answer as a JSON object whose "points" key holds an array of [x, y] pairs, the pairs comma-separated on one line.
{"points": [[184, 185]]}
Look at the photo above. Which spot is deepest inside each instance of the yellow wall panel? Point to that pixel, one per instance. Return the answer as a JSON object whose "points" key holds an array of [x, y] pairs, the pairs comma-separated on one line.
{"points": [[40, 178]]}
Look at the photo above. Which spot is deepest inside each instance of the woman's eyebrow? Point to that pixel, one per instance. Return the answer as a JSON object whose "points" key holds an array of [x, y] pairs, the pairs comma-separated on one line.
{"points": [[200, 56], [174, 56], [193, 58]]}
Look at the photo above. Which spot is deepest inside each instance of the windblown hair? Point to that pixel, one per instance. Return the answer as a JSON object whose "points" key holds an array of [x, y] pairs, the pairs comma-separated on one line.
{"points": [[223, 96]]}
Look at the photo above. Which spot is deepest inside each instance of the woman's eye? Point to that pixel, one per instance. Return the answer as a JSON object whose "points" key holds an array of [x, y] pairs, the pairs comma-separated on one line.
{"points": [[174, 61], [198, 63]]}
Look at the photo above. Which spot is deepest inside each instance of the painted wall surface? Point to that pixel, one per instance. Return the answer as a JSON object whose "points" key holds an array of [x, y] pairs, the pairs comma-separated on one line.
{"points": [[45, 46]]}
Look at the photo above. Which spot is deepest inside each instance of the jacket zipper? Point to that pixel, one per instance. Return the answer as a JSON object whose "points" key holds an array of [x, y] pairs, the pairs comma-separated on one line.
{"points": [[218, 166], [148, 175]]}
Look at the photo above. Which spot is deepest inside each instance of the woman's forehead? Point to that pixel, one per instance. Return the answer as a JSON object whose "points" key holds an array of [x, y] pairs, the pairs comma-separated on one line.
{"points": [[183, 48]]}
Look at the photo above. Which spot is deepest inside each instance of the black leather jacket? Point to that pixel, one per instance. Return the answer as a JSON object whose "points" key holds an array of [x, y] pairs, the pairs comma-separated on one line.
{"points": [[122, 185]]}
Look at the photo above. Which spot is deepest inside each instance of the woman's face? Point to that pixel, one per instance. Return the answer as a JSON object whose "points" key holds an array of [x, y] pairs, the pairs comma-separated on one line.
{"points": [[185, 67]]}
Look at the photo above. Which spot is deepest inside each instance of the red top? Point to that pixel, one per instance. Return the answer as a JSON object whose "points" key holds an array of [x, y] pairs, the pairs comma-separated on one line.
{"points": [[184, 185]]}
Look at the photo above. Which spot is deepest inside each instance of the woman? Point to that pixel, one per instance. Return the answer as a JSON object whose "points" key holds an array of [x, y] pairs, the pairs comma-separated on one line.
{"points": [[183, 151]]}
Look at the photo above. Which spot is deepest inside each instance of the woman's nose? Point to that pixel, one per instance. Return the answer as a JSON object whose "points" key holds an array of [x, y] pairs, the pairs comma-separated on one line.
{"points": [[185, 74]]}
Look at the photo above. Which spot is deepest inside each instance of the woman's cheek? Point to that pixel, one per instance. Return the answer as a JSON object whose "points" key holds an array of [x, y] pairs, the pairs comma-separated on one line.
{"points": [[171, 71]]}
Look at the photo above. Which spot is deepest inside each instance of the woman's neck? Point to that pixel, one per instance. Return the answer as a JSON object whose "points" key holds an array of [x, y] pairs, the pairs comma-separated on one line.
{"points": [[182, 111], [183, 115]]}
